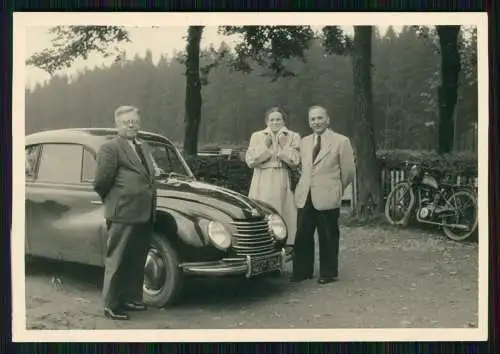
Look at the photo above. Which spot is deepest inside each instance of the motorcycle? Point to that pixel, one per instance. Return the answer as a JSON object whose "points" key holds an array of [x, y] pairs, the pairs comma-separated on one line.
{"points": [[450, 206]]}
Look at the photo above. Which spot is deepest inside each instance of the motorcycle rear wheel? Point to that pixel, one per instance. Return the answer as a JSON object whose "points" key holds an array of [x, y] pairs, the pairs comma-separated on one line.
{"points": [[403, 207], [454, 233]]}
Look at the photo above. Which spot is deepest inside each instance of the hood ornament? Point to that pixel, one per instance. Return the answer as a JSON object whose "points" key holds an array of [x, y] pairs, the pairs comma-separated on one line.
{"points": [[254, 212]]}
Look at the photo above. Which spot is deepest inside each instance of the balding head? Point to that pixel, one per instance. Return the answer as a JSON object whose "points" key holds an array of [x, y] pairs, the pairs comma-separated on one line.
{"points": [[127, 121]]}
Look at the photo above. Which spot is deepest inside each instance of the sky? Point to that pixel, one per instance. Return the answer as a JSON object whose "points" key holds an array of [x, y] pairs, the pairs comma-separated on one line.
{"points": [[160, 40]]}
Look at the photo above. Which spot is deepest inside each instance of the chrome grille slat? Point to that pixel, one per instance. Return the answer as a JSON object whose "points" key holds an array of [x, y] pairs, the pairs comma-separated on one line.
{"points": [[252, 238], [258, 253], [250, 228], [249, 223], [259, 228], [253, 248], [252, 242], [262, 234]]}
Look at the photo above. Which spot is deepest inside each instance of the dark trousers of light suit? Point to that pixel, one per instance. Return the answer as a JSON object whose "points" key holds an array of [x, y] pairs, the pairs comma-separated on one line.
{"points": [[326, 222], [124, 264]]}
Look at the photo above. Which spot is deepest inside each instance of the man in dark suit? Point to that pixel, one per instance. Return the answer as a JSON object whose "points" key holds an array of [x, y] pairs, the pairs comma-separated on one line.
{"points": [[327, 169], [125, 180]]}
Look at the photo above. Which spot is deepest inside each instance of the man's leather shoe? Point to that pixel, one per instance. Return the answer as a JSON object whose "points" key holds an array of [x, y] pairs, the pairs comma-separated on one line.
{"points": [[295, 279], [324, 280], [134, 306], [115, 314]]}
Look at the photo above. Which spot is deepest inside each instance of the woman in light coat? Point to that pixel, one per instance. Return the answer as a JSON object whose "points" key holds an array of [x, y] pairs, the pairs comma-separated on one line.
{"points": [[271, 153]]}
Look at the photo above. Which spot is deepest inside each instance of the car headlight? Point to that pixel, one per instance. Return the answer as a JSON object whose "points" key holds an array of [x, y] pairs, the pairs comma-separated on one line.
{"points": [[219, 235], [277, 226]]}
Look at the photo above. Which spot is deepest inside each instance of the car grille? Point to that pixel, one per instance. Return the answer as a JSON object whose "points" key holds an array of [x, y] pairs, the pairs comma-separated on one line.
{"points": [[252, 238]]}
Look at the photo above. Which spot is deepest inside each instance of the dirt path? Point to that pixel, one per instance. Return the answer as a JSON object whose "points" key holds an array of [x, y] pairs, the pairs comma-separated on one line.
{"points": [[388, 279]]}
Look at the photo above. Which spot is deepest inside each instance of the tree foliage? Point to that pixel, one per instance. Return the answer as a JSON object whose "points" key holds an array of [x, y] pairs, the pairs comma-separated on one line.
{"points": [[334, 70], [335, 41], [73, 42], [404, 97], [269, 47]]}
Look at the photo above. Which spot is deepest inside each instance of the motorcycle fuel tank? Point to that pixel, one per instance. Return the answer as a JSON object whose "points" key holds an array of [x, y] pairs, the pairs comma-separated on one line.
{"points": [[430, 181]]}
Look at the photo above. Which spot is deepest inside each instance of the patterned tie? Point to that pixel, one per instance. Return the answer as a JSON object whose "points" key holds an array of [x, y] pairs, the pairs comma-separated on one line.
{"points": [[140, 154], [317, 147]]}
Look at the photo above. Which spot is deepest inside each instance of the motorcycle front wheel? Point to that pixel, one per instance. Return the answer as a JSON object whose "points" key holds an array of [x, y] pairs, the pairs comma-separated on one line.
{"points": [[464, 205], [399, 204]]}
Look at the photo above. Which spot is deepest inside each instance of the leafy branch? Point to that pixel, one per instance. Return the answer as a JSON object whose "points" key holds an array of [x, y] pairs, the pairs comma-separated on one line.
{"points": [[269, 47], [335, 41], [73, 42]]}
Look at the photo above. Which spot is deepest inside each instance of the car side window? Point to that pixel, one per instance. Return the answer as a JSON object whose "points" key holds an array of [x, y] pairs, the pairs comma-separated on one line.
{"points": [[61, 163], [89, 165], [175, 162], [166, 158], [31, 155], [160, 156]]}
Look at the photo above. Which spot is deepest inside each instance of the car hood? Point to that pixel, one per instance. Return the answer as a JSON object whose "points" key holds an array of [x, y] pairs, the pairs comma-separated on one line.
{"points": [[207, 199]]}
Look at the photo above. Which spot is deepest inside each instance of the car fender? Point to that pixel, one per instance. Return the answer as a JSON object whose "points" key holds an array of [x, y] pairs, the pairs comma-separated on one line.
{"points": [[180, 226]]}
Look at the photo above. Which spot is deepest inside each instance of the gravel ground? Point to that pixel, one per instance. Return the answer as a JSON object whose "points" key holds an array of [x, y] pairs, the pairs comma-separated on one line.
{"points": [[388, 278]]}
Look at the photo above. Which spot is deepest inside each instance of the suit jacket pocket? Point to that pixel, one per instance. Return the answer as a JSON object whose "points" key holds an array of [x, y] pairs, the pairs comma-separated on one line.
{"points": [[134, 206], [336, 191], [122, 204], [327, 193]]}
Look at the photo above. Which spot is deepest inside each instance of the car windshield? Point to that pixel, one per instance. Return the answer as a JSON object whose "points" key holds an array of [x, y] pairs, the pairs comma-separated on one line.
{"points": [[168, 160]]}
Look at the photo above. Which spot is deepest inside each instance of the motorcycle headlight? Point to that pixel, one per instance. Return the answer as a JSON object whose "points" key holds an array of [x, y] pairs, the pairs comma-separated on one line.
{"points": [[277, 227], [219, 235]]}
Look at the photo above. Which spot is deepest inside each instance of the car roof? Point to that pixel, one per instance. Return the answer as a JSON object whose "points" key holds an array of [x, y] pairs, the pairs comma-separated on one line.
{"points": [[90, 137]]}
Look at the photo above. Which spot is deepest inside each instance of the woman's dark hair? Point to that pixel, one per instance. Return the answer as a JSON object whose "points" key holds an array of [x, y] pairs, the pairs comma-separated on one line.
{"points": [[276, 109]]}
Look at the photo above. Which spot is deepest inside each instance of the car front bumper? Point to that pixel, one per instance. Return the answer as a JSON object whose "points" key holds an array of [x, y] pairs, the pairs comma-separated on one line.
{"points": [[248, 266]]}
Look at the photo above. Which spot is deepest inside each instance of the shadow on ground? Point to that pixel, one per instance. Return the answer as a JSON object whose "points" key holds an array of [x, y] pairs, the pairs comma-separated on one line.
{"points": [[213, 292], [389, 278]]}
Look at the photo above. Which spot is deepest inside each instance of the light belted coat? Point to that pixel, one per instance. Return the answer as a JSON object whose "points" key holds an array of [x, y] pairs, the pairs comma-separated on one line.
{"points": [[329, 174], [271, 178]]}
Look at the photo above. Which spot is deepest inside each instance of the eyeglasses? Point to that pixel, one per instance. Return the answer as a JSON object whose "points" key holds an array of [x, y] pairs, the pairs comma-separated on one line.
{"points": [[130, 122]]}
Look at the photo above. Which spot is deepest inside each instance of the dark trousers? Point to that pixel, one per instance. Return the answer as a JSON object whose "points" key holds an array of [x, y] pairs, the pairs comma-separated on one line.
{"points": [[124, 264], [326, 222]]}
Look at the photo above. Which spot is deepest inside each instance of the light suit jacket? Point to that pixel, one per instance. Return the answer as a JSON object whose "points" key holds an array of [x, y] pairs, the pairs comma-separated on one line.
{"points": [[329, 174], [125, 186]]}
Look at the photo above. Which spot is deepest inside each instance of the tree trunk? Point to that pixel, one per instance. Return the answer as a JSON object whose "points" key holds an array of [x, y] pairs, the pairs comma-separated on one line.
{"points": [[369, 196], [447, 91], [193, 101]]}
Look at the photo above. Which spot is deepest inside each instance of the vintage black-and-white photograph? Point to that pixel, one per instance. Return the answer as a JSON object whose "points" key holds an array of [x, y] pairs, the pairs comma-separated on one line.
{"points": [[185, 174]]}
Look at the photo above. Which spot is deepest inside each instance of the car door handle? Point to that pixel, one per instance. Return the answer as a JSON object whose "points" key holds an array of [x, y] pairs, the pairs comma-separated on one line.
{"points": [[96, 202]]}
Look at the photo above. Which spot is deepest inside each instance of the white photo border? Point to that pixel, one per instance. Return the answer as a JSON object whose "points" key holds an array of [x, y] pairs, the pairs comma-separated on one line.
{"points": [[22, 20]]}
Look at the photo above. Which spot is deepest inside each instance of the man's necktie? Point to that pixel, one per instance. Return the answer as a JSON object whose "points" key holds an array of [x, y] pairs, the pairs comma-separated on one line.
{"points": [[317, 147], [140, 154]]}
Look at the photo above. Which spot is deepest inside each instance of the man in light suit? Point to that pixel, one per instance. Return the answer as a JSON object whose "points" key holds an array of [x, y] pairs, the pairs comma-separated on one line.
{"points": [[327, 169], [125, 181]]}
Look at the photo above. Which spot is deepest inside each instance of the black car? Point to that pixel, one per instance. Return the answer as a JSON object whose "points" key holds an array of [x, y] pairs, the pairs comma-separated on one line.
{"points": [[201, 229]]}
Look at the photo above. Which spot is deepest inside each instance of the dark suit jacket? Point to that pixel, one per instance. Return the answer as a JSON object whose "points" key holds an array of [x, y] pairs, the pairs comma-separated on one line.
{"points": [[125, 186]]}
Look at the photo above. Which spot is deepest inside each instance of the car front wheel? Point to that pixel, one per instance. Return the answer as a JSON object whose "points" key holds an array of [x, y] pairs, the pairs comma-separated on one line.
{"points": [[163, 279]]}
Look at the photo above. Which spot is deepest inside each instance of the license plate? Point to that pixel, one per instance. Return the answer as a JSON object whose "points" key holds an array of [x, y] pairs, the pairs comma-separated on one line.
{"points": [[264, 265]]}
